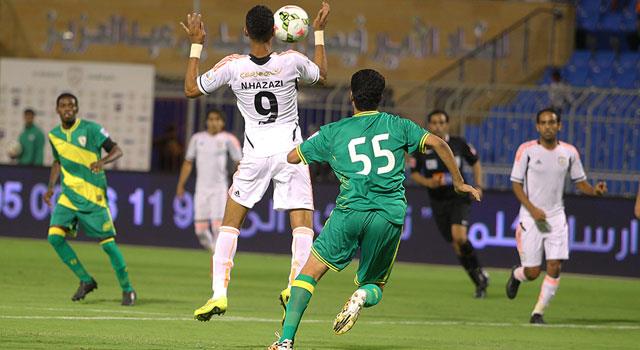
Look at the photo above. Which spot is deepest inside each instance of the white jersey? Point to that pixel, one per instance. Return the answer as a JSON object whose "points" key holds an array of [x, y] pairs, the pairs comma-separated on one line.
{"points": [[210, 153], [266, 92], [542, 173]]}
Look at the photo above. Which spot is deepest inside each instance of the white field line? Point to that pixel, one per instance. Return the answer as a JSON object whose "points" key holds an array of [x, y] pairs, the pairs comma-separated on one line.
{"points": [[273, 320]]}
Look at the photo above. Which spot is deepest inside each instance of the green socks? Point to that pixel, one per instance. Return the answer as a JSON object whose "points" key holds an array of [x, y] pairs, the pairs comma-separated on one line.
{"points": [[301, 292], [374, 294], [117, 262], [68, 256]]}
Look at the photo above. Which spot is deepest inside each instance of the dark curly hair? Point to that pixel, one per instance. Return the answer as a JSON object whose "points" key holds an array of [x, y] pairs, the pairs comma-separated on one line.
{"points": [[367, 86], [259, 23]]}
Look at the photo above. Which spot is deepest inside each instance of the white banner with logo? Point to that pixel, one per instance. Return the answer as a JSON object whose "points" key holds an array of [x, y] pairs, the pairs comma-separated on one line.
{"points": [[117, 96]]}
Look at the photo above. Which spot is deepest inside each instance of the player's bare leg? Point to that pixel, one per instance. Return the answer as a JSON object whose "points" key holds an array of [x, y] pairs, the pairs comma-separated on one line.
{"points": [[222, 260], [469, 260], [204, 235], [520, 274], [548, 290], [302, 232]]}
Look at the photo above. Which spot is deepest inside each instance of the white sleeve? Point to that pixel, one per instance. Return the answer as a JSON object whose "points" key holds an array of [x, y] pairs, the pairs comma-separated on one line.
{"points": [[217, 76], [191, 149], [519, 169], [576, 171], [233, 145], [307, 70]]}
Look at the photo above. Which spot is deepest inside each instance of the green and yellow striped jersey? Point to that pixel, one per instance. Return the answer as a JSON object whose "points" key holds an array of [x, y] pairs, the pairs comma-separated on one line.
{"points": [[366, 152], [76, 149]]}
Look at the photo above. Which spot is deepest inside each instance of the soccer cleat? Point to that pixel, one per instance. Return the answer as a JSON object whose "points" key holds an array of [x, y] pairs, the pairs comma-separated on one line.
{"points": [[284, 299], [286, 344], [129, 298], [212, 307], [350, 311], [537, 319], [83, 289], [481, 287], [512, 285]]}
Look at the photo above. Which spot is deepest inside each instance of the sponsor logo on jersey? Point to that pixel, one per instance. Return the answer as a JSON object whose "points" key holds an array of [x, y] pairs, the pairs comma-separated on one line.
{"points": [[260, 74], [82, 140], [562, 161], [262, 85]]}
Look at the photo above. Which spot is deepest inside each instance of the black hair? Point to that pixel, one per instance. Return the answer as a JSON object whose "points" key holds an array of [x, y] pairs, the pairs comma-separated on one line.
{"points": [[548, 110], [367, 86], [437, 111], [259, 23], [29, 111], [66, 95], [222, 115], [555, 73]]}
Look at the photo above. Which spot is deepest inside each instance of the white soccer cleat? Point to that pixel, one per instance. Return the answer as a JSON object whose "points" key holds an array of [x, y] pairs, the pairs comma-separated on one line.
{"points": [[350, 311], [286, 344]]}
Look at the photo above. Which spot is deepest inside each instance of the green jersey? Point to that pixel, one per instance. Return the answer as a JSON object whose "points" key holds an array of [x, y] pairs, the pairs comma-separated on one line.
{"points": [[32, 142], [76, 149], [366, 152]]}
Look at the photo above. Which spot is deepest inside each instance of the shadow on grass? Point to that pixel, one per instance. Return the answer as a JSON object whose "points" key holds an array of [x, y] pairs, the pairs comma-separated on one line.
{"points": [[141, 301]]}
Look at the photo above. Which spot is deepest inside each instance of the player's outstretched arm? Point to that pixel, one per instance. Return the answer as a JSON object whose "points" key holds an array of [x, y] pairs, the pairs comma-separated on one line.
{"points": [[320, 55], [598, 190], [293, 157], [446, 155], [195, 30]]}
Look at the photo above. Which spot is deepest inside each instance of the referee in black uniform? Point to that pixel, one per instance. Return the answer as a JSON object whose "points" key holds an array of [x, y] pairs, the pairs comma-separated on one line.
{"points": [[451, 210]]}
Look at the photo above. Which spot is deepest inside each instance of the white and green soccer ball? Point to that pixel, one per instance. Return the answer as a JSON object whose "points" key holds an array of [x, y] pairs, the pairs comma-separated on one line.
{"points": [[15, 149], [291, 23]]}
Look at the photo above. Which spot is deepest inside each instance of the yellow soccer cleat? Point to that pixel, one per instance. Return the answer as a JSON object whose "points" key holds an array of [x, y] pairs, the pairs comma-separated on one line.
{"points": [[284, 299], [350, 311], [212, 307]]}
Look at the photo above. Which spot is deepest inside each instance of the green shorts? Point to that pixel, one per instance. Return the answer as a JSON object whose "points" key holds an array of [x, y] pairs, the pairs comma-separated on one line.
{"points": [[95, 224], [347, 230]]}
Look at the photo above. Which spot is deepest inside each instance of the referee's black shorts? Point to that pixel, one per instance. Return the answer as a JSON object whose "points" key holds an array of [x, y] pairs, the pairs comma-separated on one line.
{"points": [[451, 211]]}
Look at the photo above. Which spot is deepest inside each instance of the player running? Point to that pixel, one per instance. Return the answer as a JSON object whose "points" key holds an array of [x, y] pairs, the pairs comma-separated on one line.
{"points": [[76, 146], [366, 153], [210, 150], [451, 210], [265, 85], [538, 179]]}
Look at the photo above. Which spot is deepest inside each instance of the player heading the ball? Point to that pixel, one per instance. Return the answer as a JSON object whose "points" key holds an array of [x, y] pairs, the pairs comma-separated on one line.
{"points": [[265, 84]]}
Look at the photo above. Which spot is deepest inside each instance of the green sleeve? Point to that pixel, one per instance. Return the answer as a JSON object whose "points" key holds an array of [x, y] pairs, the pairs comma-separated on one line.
{"points": [[317, 148], [415, 136], [56, 157], [99, 136], [38, 157]]}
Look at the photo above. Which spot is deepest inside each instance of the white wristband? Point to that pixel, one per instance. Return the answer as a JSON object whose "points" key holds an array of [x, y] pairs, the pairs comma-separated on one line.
{"points": [[319, 36], [196, 50]]}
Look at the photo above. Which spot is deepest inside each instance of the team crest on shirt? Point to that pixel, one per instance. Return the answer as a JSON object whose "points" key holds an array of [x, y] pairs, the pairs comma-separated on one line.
{"points": [[562, 161], [82, 140]]}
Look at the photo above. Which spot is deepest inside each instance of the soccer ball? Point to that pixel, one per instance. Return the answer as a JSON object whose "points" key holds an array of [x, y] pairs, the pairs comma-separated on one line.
{"points": [[291, 24], [15, 149]]}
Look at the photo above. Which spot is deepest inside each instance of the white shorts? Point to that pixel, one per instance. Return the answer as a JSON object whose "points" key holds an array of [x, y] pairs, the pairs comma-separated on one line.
{"points": [[291, 182], [209, 204], [532, 241]]}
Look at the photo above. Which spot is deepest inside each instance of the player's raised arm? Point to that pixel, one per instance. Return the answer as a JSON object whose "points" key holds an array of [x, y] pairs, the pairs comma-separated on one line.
{"points": [[446, 155], [598, 190], [195, 30], [320, 55]]}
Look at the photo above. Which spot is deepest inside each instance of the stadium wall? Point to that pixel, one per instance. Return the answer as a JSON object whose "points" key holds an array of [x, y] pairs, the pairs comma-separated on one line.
{"points": [[603, 235], [405, 40]]}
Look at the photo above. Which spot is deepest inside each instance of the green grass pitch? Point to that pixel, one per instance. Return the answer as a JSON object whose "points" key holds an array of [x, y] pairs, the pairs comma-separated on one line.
{"points": [[424, 306]]}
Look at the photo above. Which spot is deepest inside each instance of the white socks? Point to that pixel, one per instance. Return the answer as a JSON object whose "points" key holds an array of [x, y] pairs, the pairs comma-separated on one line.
{"points": [[547, 291], [205, 237], [222, 259], [300, 249], [518, 273]]}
